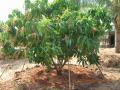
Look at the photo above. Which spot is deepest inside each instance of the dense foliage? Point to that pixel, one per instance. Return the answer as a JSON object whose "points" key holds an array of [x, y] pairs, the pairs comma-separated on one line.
{"points": [[52, 33]]}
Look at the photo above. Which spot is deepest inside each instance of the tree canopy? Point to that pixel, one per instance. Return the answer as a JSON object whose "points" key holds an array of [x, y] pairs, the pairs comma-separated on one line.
{"points": [[58, 30]]}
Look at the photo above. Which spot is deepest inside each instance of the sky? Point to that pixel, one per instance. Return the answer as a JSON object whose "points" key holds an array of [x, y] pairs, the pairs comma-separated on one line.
{"points": [[6, 7]]}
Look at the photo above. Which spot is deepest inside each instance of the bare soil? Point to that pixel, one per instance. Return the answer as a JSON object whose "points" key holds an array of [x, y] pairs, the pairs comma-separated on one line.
{"points": [[109, 58], [35, 77], [38, 79], [9, 67]]}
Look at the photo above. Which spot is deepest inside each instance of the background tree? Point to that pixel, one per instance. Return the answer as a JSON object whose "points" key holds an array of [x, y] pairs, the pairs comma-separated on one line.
{"points": [[113, 7], [116, 13]]}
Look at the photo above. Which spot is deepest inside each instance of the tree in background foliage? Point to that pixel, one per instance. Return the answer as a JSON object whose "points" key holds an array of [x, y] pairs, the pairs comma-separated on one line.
{"points": [[52, 33], [9, 36], [116, 14], [112, 6]]}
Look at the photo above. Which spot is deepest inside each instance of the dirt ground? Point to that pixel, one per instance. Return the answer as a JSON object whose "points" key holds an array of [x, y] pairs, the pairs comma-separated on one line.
{"points": [[9, 67], [109, 58], [18, 76], [38, 79]]}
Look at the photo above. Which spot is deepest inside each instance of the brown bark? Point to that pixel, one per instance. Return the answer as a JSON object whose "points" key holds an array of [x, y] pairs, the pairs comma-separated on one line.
{"points": [[117, 25], [59, 71], [58, 67], [117, 41], [117, 33]]}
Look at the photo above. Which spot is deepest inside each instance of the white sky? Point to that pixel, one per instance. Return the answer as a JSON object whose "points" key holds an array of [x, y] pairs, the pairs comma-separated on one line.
{"points": [[6, 7]]}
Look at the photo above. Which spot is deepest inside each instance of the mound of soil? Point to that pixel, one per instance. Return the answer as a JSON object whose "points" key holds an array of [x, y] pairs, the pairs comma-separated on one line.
{"points": [[38, 79]]}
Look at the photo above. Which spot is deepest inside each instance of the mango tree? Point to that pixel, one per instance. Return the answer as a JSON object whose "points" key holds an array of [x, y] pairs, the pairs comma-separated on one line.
{"points": [[55, 32]]}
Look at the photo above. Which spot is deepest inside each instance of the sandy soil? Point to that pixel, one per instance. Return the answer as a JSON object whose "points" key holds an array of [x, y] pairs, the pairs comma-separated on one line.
{"points": [[9, 67]]}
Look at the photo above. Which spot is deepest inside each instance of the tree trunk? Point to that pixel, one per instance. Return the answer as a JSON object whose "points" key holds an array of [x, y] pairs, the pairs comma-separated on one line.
{"points": [[116, 12], [117, 40], [59, 72], [57, 67], [117, 33]]}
